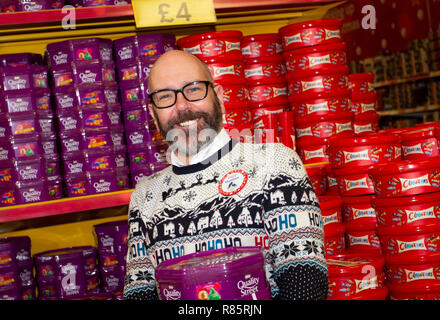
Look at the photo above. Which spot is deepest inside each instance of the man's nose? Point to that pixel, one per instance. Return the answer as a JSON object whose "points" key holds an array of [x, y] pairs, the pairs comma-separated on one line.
{"points": [[181, 102]]}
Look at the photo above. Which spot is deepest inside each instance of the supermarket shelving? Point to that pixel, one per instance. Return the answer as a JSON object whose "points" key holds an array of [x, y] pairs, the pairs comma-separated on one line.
{"points": [[430, 75], [64, 206]]}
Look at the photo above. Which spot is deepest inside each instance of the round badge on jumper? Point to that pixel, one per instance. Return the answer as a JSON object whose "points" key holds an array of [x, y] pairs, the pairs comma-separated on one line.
{"points": [[233, 182]]}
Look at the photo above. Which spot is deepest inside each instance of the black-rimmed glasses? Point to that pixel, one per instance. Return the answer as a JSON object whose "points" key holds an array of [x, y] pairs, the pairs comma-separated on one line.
{"points": [[194, 91]]}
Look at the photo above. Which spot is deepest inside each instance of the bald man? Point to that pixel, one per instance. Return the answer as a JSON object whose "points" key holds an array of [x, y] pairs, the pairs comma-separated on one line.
{"points": [[220, 193]]}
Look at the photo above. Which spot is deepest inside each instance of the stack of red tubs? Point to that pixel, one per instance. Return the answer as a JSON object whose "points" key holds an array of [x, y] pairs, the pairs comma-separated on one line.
{"points": [[363, 103], [265, 70], [221, 51], [351, 158], [408, 212], [317, 77]]}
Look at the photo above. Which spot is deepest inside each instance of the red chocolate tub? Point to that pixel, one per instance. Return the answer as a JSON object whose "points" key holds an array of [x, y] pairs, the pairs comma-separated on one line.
{"points": [[409, 245], [263, 94], [213, 44], [364, 104], [321, 57], [315, 81], [356, 278], [261, 45], [313, 150], [226, 69], [325, 126], [406, 177], [371, 149], [420, 143], [408, 212], [331, 212], [264, 69], [310, 33], [358, 213], [363, 240], [334, 240], [354, 181], [414, 276], [361, 84], [420, 292], [366, 123], [321, 103], [317, 177]]}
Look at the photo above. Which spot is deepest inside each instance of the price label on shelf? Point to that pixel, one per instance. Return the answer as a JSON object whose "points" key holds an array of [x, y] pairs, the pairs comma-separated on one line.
{"points": [[163, 13]]}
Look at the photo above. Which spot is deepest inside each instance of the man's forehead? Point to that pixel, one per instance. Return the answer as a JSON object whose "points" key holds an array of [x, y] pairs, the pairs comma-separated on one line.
{"points": [[176, 69]]}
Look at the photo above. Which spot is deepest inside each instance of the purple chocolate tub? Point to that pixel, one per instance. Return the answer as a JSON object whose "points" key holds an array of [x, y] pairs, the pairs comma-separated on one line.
{"points": [[144, 45], [110, 234], [65, 52], [234, 273], [63, 273]]}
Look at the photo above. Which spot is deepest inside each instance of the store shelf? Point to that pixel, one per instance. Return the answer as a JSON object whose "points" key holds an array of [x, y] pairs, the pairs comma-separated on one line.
{"points": [[435, 107], [126, 11], [406, 80], [64, 206]]}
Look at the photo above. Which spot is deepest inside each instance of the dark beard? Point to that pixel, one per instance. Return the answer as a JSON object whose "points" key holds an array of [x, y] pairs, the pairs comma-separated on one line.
{"points": [[212, 121]]}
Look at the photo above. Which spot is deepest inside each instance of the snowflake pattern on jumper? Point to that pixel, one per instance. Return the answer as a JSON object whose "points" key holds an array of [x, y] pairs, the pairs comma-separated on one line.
{"points": [[266, 200]]}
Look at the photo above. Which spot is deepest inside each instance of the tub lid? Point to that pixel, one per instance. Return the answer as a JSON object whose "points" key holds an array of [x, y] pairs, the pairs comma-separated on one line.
{"points": [[403, 166], [361, 76], [353, 170], [324, 118], [397, 131], [209, 35], [264, 59], [338, 229], [344, 265], [315, 49], [364, 97], [242, 106], [223, 59], [359, 199], [409, 200], [366, 116], [428, 124], [212, 263], [367, 139], [268, 106], [344, 93], [260, 37], [418, 133], [409, 230], [329, 201], [311, 141], [314, 170], [311, 24], [414, 287], [320, 72]]}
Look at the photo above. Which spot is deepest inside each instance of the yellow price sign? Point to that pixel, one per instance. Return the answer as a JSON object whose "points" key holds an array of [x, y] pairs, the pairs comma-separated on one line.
{"points": [[161, 13]]}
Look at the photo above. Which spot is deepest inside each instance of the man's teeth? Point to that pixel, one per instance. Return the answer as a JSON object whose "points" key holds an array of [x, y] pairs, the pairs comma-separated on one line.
{"points": [[187, 123]]}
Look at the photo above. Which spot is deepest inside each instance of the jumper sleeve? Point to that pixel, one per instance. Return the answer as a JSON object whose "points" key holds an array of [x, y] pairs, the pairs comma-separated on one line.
{"points": [[139, 278], [293, 222]]}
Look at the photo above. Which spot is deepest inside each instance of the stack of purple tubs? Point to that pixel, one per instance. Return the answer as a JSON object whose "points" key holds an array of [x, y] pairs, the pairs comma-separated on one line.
{"points": [[135, 56], [67, 273], [16, 269], [111, 238], [89, 116], [29, 159]]}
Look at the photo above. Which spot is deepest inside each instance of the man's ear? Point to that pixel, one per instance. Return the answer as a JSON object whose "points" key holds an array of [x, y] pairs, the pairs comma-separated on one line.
{"points": [[152, 115], [219, 91]]}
